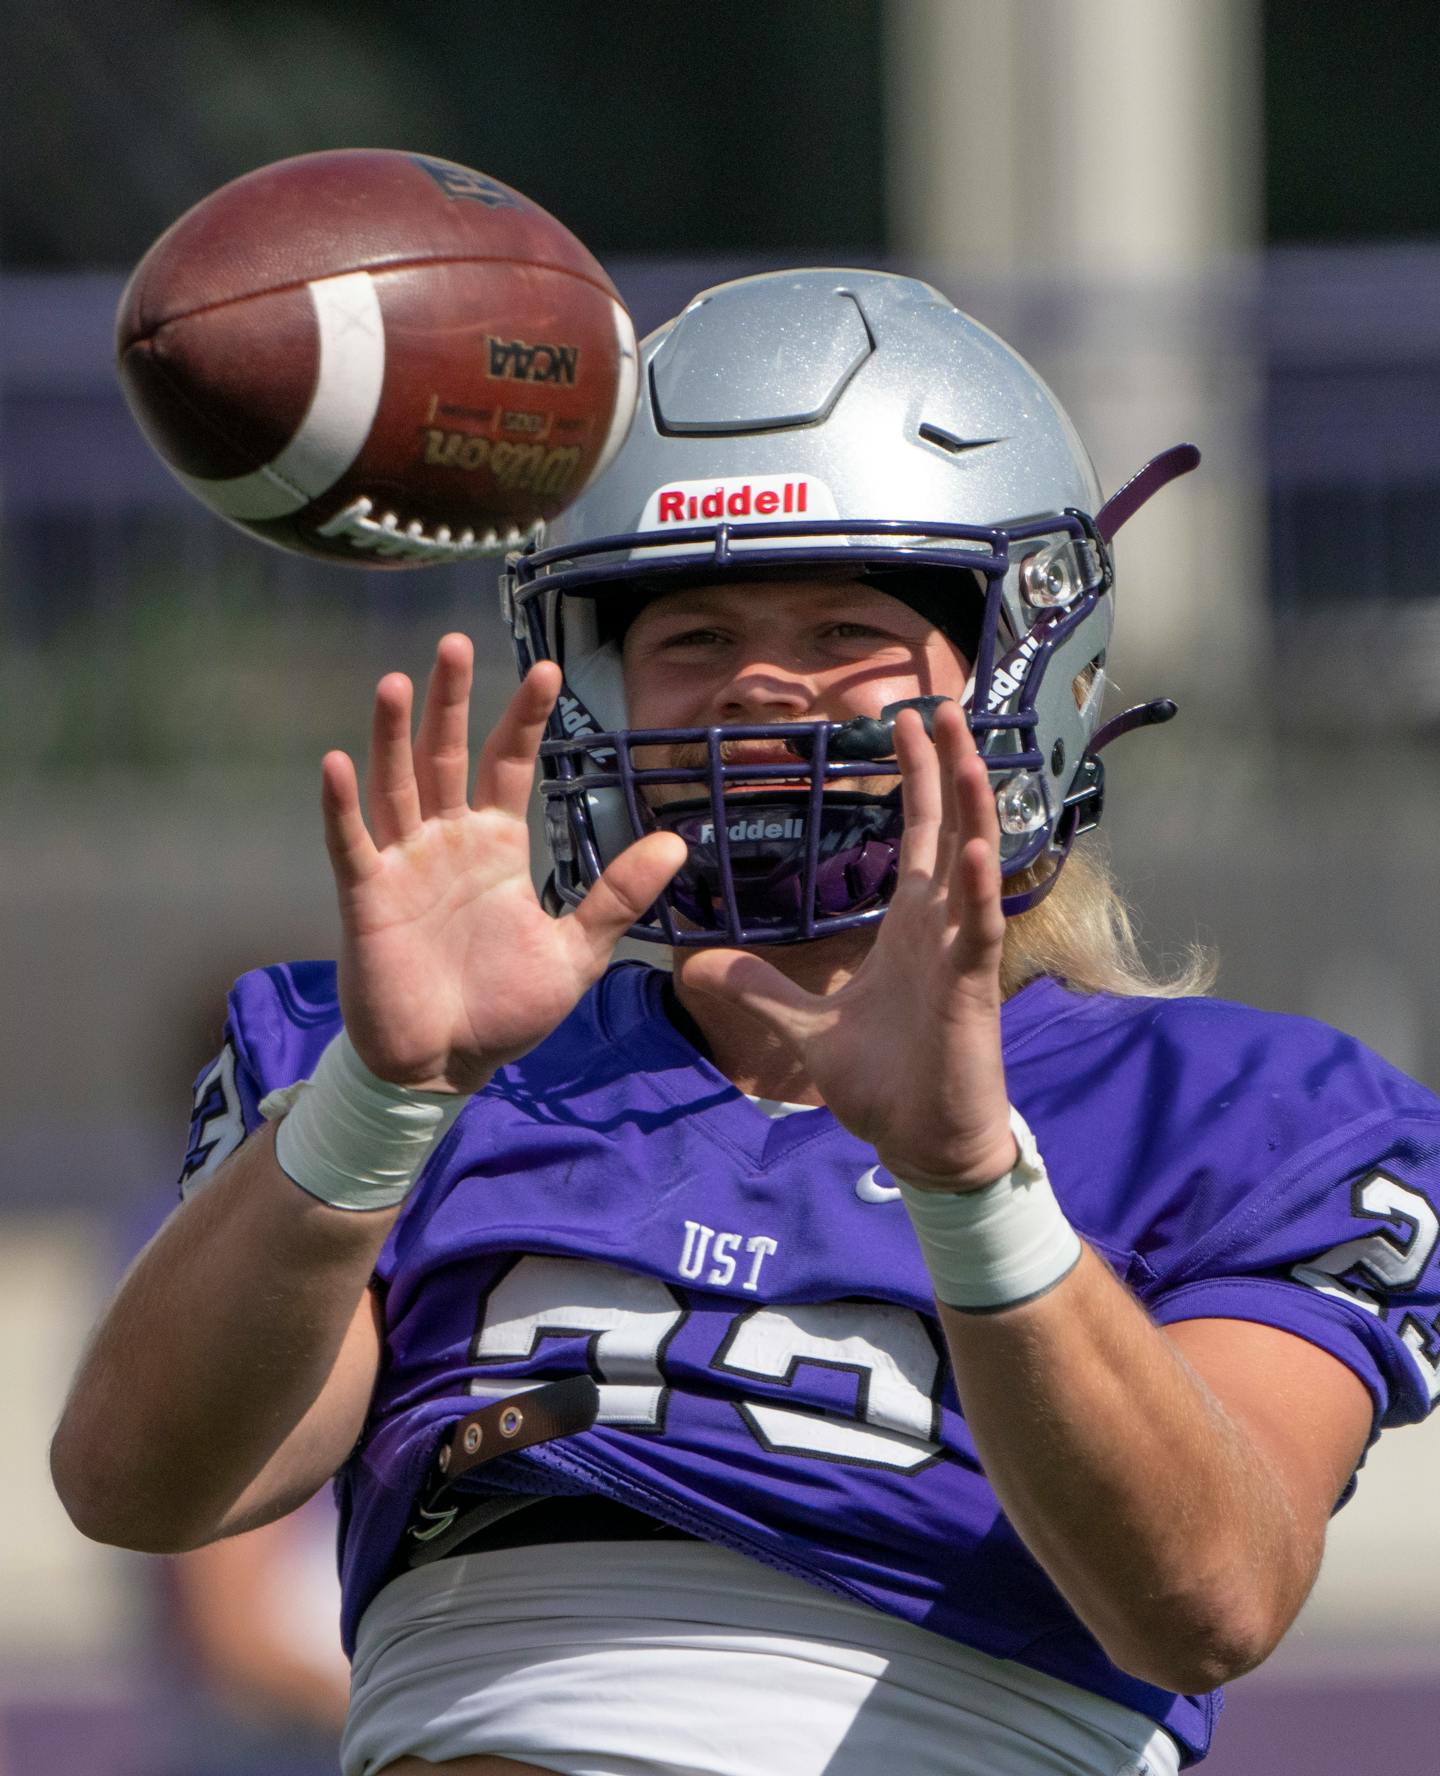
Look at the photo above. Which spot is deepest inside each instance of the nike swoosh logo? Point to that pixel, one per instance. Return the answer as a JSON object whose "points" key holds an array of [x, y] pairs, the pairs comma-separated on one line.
{"points": [[869, 1191]]}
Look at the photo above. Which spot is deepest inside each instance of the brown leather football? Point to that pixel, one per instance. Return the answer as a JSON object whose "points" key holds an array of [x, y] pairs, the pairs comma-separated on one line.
{"points": [[377, 357]]}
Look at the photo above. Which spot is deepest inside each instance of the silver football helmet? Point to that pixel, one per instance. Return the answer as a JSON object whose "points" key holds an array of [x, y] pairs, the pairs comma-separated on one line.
{"points": [[801, 420]]}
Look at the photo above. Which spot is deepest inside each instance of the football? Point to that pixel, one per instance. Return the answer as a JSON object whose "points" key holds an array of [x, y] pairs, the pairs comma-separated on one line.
{"points": [[377, 357]]}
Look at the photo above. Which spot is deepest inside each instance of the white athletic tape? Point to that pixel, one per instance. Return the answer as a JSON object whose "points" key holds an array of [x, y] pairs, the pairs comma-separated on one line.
{"points": [[355, 1141], [994, 1248]]}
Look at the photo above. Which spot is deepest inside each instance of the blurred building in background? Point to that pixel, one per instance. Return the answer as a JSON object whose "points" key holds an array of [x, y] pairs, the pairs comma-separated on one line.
{"points": [[1217, 221]]}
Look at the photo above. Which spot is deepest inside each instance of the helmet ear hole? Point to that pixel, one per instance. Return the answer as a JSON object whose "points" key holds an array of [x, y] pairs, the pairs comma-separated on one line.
{"points": [[1089, 686]]}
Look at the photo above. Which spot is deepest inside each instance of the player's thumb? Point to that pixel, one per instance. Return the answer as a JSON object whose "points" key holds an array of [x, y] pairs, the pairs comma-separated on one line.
{"points": [[756, 987], [627, 890]]}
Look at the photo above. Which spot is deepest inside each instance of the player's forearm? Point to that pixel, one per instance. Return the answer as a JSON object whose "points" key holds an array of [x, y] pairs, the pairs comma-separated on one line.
{"points": [[1167, 1531], [219, 1342]]}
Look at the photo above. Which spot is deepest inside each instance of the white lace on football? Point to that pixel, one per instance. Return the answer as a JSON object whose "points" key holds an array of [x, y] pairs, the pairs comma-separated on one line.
{"points": [[391, 537]]}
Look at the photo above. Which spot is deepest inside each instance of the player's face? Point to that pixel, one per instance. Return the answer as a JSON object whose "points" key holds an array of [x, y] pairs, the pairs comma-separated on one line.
{"points": [[733, 655], [745, 655]]}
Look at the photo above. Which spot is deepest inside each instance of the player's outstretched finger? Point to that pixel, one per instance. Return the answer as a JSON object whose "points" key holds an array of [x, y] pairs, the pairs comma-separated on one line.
{"points": [[506, 769], [974, 793], [951, 735], [352, 852], [442, 746], [920, 790], [975, 901], [627, 889], [393, 799], [975, 886]]}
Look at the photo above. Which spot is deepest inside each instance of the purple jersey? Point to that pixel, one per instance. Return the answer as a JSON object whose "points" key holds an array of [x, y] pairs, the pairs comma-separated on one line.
{"points": [[750, 1298]]}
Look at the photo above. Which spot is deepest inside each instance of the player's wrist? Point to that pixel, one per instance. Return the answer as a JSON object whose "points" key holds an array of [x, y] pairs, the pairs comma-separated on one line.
{"points": [[352, 1139], [998, 1246], [986, 1169]]}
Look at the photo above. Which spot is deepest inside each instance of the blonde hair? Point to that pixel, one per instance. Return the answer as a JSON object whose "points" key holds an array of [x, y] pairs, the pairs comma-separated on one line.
{"points": [[1081, 934]]}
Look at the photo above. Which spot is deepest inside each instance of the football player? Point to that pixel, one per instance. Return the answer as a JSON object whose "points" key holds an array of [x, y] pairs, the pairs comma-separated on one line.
{"points": [[904, 1309]]}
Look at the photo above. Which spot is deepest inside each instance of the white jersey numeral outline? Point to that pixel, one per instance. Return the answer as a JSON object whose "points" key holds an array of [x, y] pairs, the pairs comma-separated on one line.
{"points": [[221, 1132], [1385, 1261], [887, 1349], [1388, 1260], [631, 1319]]}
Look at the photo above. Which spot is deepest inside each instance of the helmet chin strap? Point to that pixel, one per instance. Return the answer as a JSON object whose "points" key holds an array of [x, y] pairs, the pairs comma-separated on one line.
{"points": [[872, 737]]}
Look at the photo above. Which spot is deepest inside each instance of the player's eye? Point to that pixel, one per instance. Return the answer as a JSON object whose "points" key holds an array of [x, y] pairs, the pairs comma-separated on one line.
{"points": [[697, 637], [867, 634]]}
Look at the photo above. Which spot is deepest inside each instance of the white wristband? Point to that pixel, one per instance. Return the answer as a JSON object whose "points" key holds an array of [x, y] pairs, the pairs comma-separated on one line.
{"points": [[994, 1248], [355, 1141]]}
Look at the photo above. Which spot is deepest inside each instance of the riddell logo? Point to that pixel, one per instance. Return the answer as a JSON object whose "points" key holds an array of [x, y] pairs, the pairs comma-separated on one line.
{"points": [[574, 717], [748, 500], [676, 505], [1007, 682], [740, 830]]}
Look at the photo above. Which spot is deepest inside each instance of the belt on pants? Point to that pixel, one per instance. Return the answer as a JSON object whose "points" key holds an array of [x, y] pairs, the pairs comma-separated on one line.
{"points": [[447, 1522]]}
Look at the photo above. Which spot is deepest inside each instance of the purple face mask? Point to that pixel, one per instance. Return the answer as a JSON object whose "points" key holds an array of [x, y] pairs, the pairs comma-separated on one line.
{"points": [[766, 834]]}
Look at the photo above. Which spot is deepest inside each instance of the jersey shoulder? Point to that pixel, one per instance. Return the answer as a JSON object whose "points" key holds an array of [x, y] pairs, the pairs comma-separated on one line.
{"points": [[1197, 1133], [281, 1018], [1212, 1077], [278, 1021], [1224, 1040], [1264, 1167]]}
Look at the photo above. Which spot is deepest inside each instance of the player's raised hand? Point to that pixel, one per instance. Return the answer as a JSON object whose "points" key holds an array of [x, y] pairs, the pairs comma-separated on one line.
{"points": [[449, 966], [907, 1053]]}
